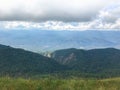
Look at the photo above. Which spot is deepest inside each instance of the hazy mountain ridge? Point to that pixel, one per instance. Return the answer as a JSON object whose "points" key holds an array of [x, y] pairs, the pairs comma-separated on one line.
{"points": [[44, 40]]}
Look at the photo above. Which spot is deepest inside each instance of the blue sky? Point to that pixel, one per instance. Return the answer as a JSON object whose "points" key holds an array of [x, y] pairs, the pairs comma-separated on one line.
{"points": [[60, 14]]}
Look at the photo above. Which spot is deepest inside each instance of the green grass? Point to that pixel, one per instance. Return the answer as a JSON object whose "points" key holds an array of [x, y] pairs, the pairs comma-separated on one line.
{"points": [[7, 83]]}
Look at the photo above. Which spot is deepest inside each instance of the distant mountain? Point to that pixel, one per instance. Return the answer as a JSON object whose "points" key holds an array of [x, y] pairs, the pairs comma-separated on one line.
{"points": [[90, 61], [44, 40], [15, 61]]}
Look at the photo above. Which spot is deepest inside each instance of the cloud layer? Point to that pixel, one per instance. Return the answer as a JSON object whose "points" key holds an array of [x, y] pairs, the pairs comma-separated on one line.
{"points": [[54, 10], [60, 14]]}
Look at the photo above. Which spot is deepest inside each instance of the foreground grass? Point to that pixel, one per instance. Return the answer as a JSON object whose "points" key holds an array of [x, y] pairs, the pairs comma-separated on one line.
{"points": [[7, 83]]}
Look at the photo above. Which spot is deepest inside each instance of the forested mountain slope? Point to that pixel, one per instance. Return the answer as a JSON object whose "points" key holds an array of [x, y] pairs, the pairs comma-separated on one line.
{"points": [[15, 61], [90, 61]]}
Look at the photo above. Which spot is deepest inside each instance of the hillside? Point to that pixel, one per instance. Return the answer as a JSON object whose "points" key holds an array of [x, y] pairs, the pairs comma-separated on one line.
{"points": [[97, 61], [63, 63], [19, 62]]}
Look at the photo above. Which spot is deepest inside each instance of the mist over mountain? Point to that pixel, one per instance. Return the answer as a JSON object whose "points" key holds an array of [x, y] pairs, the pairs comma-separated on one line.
{"points": [[44, 40]]}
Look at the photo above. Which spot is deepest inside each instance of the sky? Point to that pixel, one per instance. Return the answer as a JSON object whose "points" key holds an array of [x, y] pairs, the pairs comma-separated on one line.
{"points": [[60, 14]]}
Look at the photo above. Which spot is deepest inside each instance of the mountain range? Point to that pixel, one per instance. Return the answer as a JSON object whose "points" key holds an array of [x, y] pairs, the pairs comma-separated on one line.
{"points": [[19, 62], [45, 40]]}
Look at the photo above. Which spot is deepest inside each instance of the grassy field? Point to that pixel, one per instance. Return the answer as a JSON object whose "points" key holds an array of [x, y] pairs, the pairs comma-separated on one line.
{"points": [[7, 83]]}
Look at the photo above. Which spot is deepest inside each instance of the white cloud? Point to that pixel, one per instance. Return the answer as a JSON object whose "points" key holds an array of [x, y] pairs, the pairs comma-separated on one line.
{"points": [[60, 14], [54, 10]]}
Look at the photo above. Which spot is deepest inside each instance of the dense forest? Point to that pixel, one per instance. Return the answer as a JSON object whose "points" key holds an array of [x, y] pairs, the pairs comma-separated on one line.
{"points": [[65, 63], [17, 62], [105, 62]]}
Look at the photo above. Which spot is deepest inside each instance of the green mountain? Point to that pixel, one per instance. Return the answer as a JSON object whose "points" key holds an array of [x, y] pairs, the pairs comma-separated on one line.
{"points": [[67, 62], [15, 61], [97, 61]]}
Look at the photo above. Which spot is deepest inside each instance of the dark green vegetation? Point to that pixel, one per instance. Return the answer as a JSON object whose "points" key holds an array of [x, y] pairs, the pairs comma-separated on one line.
{"points": [[18, 62], [68, 69], [7, 83], [102, 62]]}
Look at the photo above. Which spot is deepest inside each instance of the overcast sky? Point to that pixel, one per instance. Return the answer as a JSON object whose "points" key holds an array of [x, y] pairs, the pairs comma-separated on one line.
{"points": [[60, 14]]}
